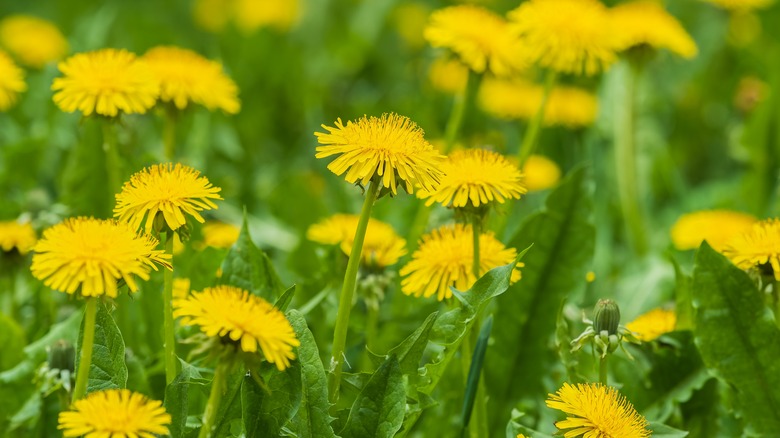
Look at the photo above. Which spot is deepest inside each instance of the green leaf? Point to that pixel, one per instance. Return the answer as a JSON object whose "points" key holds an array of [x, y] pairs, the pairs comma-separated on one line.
{"points": [[682, 296], [12, 340], [265, 413], [379, 409], [108, 369], [312, 419], [554, 269], [229, 413], [475, 371], [661, 430], [409, 352], [248, 267], [177, 397], [285, 299], [514, 427], [737, 338]]}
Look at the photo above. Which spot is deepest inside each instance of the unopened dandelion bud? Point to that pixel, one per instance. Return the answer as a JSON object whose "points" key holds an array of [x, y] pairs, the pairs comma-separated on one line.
{"points": [[606, 317], [62, 356]]}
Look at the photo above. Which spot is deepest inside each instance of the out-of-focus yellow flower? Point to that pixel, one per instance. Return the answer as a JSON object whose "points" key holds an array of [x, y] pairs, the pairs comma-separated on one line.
{"points": [[646, 22], [757, 248], [717, 227], [181, 288], [409, 19], [479, 37], [590, 277], [520, 99], [11, 82], [741, 5], [653, 324], [17, 236], [251, 15], [212, 15], [540, 173], [220, 234], [744, 27], [33, 41], [381, 247], [448, 75]]}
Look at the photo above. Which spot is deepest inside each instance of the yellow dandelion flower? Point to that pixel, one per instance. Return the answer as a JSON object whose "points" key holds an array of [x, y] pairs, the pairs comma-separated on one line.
{"points": [[410, 20], [741, 5], [115, 413], [17, 236], [646, 22], [181, 288], [33, 41], [381, 247], [653, 324], [105, 82], [251, 15], [717, 227], [90, 255], [519, 99], [391, 147], [590, 277], [567, 36], [757, 248], [11, 82], [212, 15], [476, 177], [171, 190], [480, 38], [246, 319], [444, 258], [220, 234], [540, 173], [185, 77], [448, 75], [595, 410]]}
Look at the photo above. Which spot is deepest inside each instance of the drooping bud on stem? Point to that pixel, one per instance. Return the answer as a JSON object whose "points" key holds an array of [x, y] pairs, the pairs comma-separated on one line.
{"points": [[606, 316]]}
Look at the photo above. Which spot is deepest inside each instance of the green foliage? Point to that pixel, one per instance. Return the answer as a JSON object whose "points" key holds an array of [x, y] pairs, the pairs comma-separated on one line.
{"points": [[177, 397], [108, 369], [248, 267], [378, 410], [266, 410]]}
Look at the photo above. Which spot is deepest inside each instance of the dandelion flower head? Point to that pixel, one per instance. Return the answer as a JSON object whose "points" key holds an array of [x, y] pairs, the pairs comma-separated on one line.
{"points": [[89, 256], [410, 19], [251, 15], [391, 147], [185, 77], [541, 173], [181, 288], [245, 319], [757, 248], [220, 234], [381, 247], [646, 22], [476, 177], [11, 82], [741, 5], [115, 413], [172, 190], [448, 75], [479, 37], [567, 36], [717, 227], [444, 258], [33, 41], [653, 324], [17, 236], [596, 411]]}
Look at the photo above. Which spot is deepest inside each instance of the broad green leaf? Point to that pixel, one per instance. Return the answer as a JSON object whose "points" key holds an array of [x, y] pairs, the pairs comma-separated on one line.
{"points": [[108, 369], [410, 351], [265, 413], [229, 414], [312, 419], [514, 427], [379, 409], [555, 268], [738, 339], [248, 267], [12, 340], [475, 371], [285, 299], [177, 397], [682, 297], [661, 430]]}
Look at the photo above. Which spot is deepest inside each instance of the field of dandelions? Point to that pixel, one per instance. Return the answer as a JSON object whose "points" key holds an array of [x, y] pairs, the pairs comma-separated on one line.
{"points": [[390, 218]]}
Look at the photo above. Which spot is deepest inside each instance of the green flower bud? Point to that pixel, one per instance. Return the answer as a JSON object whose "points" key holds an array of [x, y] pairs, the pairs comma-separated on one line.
{"points": [[62, 356], [606, 316]]}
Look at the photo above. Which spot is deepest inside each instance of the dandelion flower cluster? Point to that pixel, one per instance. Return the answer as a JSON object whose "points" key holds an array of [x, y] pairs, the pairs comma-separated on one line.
{"points": [[115, 413], [220, 234], [105, 82], [479, 37], [596, 411], [646, 22], [567, 36], [653, 324], [90, 255], [757, 248], [11, 82], [391, 147], [717, 227], [381, 247], [741, 5], [172, 190], [444, 258], [246, 319], [540, 173], [185, 77], [17, 236], [33, 41], [476, 177]]}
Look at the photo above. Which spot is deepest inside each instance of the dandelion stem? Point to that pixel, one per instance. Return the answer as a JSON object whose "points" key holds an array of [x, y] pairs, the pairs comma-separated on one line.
{"points": [[218, 387], [348, 291], [532, 131], [87, 342], [478, 427], [112, 157], [169, 340], [169, 134], [603, 370], [460, 109], [625, 159]]}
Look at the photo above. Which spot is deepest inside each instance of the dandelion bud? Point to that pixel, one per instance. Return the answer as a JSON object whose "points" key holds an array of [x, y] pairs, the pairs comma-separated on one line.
{"points": [[62, 356], [606, 316]]}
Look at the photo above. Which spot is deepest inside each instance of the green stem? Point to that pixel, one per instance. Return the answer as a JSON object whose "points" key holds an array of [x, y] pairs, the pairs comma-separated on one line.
{"points": [[347, 292], [478, 426], [169, 134], [460, 110], [218, 388], [603, 370], [112, 157], [534, 126], [87, 342], [475, 232], [625, 159], [776, 299], [169, 339]]}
